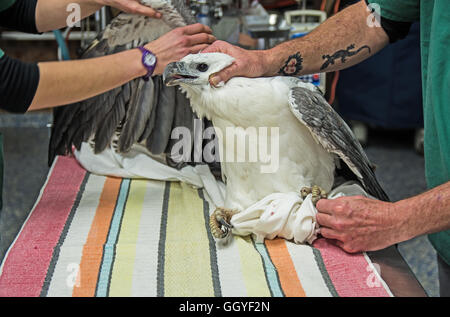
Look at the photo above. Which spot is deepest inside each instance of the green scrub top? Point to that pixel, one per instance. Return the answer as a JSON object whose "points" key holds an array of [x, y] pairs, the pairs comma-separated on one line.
{"points": [[434, 17]]}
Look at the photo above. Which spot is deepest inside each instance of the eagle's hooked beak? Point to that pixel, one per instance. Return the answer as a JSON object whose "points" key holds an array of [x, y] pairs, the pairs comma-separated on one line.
{"points": [[176, 73]]}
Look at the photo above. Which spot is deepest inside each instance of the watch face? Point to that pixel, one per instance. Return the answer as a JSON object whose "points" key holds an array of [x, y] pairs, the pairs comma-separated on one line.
{"points": [[149, 59]]}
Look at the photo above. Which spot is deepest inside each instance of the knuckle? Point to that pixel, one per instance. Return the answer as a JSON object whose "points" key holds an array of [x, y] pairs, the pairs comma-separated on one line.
{"points": [[340, 207], [182, 41], [132, 7], [178, 31], [227, 73], [221, 43], [205, 37], [185, 52], [339, 225], [319, 218]]}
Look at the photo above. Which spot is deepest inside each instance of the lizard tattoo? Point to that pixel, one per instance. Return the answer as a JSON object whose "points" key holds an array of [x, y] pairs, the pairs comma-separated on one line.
{"points": [[342, 54], [292, 66]]}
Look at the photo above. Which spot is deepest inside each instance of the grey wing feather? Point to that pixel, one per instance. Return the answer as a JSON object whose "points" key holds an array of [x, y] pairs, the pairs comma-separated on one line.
{"points": [[165, 111], [137, 115], [108, 125], [157, 82], [197, 150], [101, 115], [184, 118], [330, 130]]}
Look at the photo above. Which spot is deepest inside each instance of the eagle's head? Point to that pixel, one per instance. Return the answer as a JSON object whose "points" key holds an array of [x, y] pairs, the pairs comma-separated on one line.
{"points": [[196, 69], [192, 73]]}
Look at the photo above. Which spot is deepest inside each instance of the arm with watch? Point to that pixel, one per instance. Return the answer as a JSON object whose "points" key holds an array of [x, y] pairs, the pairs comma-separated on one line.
{"points": [[25, 86], [81, 79]]}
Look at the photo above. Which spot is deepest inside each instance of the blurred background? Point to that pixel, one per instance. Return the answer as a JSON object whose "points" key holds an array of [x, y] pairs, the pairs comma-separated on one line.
{"points": [[379, 98]]}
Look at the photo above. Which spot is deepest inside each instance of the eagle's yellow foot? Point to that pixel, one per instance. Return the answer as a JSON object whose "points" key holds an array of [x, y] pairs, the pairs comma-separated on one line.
{"points": [[316, 192], [219, 222]]}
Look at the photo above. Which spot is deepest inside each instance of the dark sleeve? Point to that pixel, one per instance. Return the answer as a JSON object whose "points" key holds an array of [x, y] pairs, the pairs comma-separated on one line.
{"points": [[395, 30], [20, 16], [18, 84]]}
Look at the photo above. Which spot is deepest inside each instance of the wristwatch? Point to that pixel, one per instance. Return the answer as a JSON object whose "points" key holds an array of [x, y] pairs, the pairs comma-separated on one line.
{"points": [[149, 61]]}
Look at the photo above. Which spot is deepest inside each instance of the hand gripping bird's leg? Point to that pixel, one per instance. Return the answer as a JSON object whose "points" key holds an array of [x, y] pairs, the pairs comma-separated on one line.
{"points": [[316, 192], [219, 222]]}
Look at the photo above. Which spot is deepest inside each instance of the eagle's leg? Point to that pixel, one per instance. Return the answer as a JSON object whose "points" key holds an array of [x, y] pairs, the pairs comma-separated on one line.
{"points": [[316, 192], [219, 222]]}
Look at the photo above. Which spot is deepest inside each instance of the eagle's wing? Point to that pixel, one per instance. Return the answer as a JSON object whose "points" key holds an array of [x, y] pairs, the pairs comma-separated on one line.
{"points": [[330, 130], [138, 111]]}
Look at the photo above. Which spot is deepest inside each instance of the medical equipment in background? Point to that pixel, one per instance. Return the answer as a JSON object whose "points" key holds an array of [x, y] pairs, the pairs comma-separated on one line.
{"points": [[207, 12]]}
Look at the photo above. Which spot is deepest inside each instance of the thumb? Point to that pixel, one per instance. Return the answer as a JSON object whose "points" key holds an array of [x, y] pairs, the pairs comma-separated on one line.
{"points": [[223, 76]]}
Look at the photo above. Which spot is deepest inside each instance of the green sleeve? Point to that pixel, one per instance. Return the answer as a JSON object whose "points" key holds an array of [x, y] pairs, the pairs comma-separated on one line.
{"points": [[399, 10], [5, 4]]}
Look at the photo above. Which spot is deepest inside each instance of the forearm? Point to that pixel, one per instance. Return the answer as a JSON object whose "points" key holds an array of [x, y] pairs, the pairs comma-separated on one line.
{"points": [[342, 41], [66, 82], [53, 14], [425, 213], [81, 79]]}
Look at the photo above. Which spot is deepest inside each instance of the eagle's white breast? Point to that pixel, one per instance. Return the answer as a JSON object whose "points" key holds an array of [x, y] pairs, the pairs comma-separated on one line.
{"points": [[263, 103]]}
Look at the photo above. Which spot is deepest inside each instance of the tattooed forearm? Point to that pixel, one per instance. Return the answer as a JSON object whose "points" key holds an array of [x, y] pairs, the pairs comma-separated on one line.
{"points": [[342, 55], [293, 65]]}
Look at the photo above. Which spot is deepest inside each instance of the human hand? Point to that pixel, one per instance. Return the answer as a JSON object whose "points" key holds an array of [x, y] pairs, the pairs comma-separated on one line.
{"points": [[248, 63], [180, 42], [358, 223], [131, 6]]}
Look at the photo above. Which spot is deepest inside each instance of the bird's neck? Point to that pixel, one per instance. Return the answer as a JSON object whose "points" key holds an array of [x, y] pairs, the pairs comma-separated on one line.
{"points": [[204, 101]]}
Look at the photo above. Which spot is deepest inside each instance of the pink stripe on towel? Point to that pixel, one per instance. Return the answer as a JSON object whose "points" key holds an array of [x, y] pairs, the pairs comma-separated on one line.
{"points": [[28, 260], [351, 274]]}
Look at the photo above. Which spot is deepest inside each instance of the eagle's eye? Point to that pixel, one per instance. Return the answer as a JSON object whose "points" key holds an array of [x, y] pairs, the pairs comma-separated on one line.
{"points": [[202, 67]]}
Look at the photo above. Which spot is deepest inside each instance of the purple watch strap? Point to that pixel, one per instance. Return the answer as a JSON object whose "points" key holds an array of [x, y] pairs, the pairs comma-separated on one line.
{"points": [[150, 68]]}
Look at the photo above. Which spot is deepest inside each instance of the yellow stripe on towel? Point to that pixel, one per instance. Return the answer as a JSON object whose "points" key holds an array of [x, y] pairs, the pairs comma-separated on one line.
{"points": [[252, 268], [187, 267], [122, 273]]}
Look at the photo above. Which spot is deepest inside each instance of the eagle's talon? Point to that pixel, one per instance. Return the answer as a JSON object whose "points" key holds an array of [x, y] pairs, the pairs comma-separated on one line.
{"points": [[220, 222], [305, 191], [316, 192], [225, 224]]}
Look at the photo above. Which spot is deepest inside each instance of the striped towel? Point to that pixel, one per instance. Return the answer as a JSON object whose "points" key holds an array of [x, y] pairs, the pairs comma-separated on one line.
{"points": [[90, 235]]}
